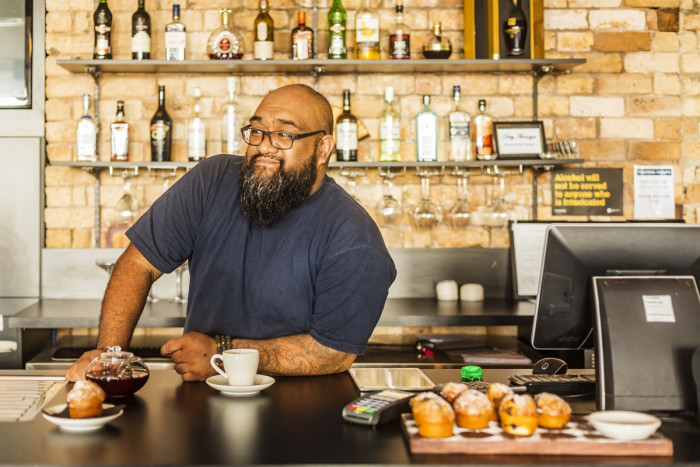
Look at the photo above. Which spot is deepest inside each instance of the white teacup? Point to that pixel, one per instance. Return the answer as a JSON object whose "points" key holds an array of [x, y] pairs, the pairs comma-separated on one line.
{"points": [[241, 366]]}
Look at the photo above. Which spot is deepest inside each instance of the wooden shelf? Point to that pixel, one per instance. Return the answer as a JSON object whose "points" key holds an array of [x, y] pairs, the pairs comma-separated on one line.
{"points": [[320, 66]]}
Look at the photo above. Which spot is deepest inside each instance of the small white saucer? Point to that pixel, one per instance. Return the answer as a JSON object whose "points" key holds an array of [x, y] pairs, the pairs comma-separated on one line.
{"points": [[624, 425], [220, 383], [58, 414]]}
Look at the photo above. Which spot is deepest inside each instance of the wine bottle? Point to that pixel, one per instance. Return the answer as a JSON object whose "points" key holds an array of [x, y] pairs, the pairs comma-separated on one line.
{"points": [[366, 33], [161, 130], [389, 129], [141, 33], [86, 134], [229, 119], [346, 132], [302, 39], [119, 135], [196, 130], [459, 130], [263, 46], [224, 42], [175, 37], [515, 30], [103, 31], [427, 128], [400, 37], [483, 134], [337, 19]]}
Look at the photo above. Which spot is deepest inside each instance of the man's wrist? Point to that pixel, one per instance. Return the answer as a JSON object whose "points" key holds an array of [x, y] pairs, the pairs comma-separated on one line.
{"points": [[223, 342]]}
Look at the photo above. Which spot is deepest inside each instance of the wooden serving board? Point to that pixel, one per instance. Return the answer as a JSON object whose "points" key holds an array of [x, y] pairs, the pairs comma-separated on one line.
{"points": [[578, 438]]}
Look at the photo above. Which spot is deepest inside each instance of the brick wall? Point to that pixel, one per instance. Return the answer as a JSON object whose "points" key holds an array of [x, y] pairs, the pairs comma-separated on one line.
{"points": [[635, 101]]}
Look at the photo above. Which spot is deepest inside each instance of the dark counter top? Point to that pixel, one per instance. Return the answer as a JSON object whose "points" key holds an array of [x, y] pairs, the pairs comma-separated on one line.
{"points": [[69, 313], [295, 421]]}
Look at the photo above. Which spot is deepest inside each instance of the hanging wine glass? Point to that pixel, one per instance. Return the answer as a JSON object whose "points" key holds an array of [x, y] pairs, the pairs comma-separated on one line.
{"points": [[498, 212], [389, 209], [351, 175], [460, 213], [426, 214], [166, 178], [126, 211]]}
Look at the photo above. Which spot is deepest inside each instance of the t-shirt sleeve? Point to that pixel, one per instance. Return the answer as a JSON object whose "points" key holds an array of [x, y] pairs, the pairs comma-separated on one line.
{"points": [[350, 294], [165, 233]]}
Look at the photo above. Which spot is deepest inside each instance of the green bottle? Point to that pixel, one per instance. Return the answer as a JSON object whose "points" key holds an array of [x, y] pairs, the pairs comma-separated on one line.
{"points": [[337, 17]]}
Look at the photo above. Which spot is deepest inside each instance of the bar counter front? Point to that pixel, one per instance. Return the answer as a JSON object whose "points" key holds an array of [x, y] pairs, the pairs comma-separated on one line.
{"points": [[297, 420]]}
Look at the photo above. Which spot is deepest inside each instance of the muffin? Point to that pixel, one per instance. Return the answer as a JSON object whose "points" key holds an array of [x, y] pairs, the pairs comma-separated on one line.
{"points": [[552, 411], [518, 414], [451, 390], [85, 400], [473, 410], [433, 415], [496, 392]]}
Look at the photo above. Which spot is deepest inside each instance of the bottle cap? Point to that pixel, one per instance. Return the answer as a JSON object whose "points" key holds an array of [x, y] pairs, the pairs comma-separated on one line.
{"points": [[472, 373]]}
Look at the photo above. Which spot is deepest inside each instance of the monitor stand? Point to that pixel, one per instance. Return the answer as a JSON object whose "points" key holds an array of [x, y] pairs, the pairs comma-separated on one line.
{"points": [[647, 328]]}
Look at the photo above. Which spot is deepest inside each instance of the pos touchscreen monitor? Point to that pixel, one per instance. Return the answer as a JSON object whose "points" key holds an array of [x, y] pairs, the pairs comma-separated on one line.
{"points": [[574, 253]]}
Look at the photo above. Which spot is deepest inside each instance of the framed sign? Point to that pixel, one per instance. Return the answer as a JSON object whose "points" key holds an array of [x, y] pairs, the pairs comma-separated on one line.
{"points": [[519, 140]]}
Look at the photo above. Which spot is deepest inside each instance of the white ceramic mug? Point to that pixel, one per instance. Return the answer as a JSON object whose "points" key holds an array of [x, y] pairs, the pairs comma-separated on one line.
{"points": [[241, 366], [446, 290]]}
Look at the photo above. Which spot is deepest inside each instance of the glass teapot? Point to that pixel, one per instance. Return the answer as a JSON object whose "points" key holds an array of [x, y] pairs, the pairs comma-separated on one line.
{"points": [[118, 373]]}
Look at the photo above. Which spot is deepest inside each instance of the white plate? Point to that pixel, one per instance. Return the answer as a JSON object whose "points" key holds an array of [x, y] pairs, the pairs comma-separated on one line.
{"points": [[220, 383], [624, 425], [53, 414]]}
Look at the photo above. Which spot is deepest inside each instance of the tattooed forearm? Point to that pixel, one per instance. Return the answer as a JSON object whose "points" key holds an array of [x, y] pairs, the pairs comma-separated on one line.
{"points": [[300, 354]]}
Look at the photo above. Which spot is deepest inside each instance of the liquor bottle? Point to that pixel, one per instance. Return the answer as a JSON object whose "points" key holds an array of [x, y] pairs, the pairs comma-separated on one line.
{"points": [[515, 30], [389, 130], [141, 33], [229, 119], [224, 43], [196, 130], [400, 37], [119, 135], [427, 131], [175, 37], [366, 33], [459, 130], [86, 134], [302, 40], [263, 45], [438, 46], [161, 130], [483, 134], [337, 19], [103, 31], [346, 132]]}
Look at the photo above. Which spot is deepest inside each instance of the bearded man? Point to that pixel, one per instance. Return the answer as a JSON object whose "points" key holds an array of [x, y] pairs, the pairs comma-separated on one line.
{"points": [[281, 259]]}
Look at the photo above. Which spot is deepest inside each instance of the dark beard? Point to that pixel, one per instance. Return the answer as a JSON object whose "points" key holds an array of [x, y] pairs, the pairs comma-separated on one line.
{"points": [[266, 199]]}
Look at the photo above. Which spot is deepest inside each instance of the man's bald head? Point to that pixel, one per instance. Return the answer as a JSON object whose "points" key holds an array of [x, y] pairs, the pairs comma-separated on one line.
{"points": [[317, 107]]}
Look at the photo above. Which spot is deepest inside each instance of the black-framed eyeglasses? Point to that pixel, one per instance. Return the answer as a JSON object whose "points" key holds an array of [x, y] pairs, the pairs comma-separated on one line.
{"points": [[278, 139]]}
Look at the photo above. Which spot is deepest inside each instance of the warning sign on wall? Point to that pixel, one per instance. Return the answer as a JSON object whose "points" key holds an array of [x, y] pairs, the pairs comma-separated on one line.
{"points": [[587, 192]]}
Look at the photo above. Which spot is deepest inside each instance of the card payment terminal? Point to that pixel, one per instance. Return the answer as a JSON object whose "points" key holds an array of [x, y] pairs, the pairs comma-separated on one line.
{"points": [[376, 408]]}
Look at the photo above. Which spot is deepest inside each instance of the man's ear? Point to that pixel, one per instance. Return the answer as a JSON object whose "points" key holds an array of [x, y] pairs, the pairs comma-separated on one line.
{"points": [[325, 149]]}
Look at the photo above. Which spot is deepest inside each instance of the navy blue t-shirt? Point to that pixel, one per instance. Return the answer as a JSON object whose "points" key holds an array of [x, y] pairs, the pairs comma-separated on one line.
{"points": [[323, 269]]}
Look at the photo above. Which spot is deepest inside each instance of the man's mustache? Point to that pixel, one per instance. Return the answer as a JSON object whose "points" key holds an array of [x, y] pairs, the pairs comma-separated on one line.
{"points": [[269, 156]]}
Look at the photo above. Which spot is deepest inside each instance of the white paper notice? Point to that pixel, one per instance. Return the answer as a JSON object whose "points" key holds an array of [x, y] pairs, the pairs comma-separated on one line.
{"points": [[528, 247], [658, 309], [653, 192]]}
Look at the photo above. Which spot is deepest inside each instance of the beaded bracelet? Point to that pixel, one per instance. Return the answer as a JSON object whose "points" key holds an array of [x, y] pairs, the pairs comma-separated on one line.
{"points": [[223, 342]]}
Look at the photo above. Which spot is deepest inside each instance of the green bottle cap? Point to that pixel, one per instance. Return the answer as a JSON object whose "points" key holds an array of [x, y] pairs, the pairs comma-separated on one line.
{"points": [[472, 373]]}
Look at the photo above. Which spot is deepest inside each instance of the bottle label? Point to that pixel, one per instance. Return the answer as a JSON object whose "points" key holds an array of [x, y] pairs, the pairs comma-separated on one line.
{"points": [[400, 45], [230, 131], [261, 31], [141, 42], [120, 141], [389, 134], [159, 130], [367, 32], [196, 141], [347, 136], [86, 141], [427, 137], [301, 49], [175, 40], [336, 45], [102, 39], [263, 50], [459, 129]]}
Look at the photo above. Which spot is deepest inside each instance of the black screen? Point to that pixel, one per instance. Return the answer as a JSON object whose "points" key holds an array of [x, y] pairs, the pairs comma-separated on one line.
{"points": [[573, 253]]}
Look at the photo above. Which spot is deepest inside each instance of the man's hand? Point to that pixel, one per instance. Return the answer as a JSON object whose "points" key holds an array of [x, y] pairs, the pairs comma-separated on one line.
{"points": [[77, 370], [191, 354]]}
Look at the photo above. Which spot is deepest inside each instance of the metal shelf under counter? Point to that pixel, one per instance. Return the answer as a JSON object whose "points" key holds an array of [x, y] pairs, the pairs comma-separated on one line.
{"points": [[72, 313]]}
